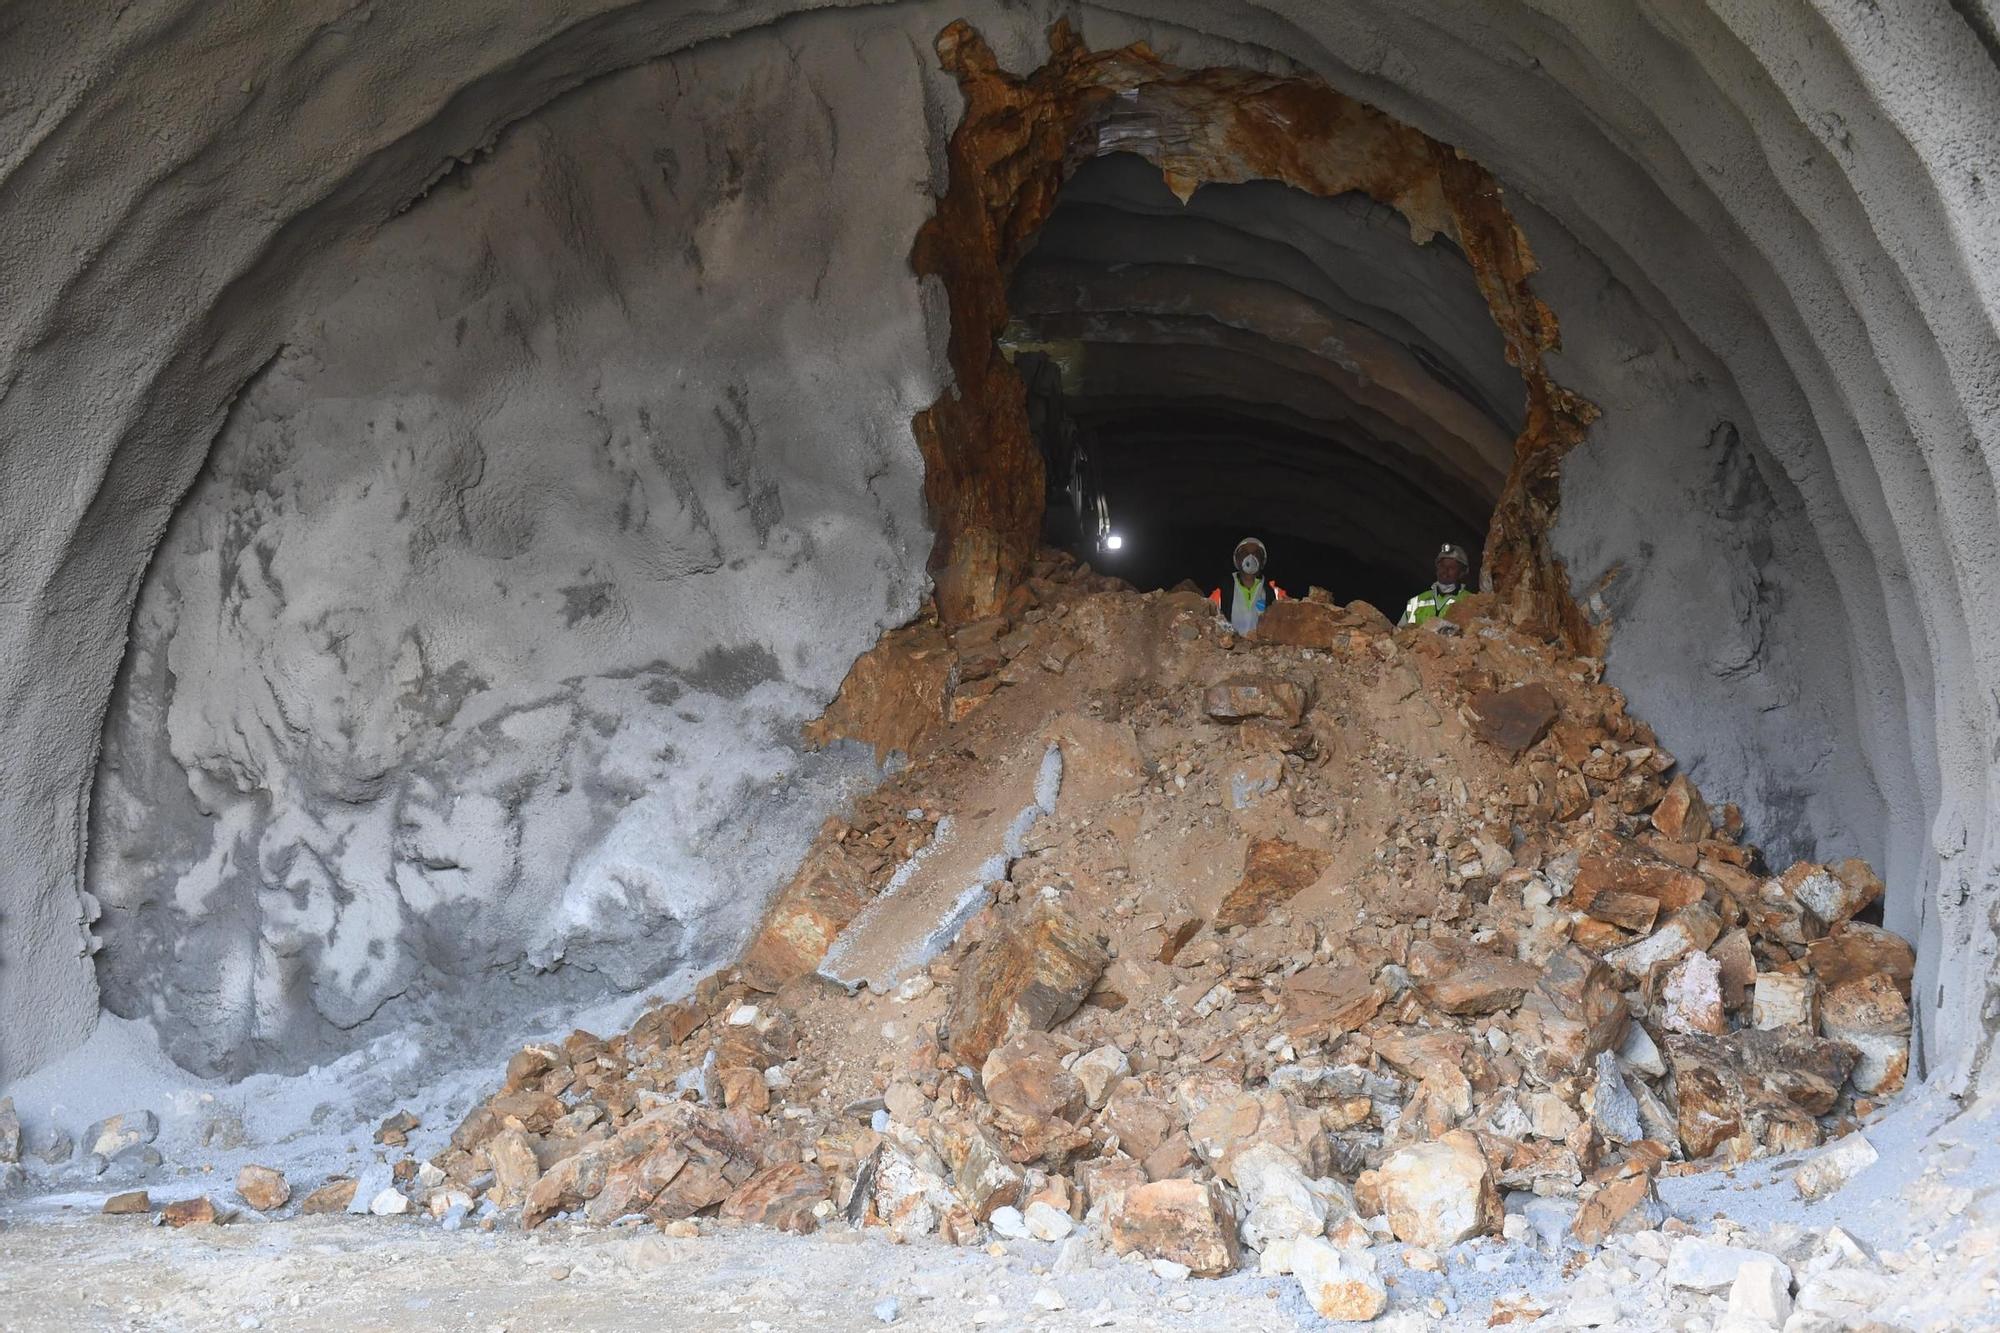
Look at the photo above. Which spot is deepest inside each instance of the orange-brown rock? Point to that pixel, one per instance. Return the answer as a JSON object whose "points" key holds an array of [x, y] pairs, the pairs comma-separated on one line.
{"points": [[1303, 624], [1627, 911], [1274, 871], [1029, 977], [782, 1197], [1615, 1199], [1613, 864], [263, 1188], [1853, 951], [1870, 1014], [1483, 983], [332, 1197], [802, 922], [1511, 721], [1732, 954], [1680, 814], [197, 1211], [744, 1087], [1186, 1221], [1573, 1012], [895, 695], [511, 1154], [1708, 1093], [131, 1201], [1026, 1076]]}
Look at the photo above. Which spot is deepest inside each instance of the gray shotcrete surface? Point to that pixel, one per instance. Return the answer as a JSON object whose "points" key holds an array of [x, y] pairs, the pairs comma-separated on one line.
{"points": [[450, 449]]}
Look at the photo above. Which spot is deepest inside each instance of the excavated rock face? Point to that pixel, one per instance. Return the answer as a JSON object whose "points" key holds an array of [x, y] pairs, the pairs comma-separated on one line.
{"points": [[361, 747]]}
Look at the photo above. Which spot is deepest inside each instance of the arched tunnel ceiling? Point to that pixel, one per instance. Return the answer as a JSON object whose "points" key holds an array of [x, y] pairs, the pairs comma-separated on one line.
{"points": [[1258, 327], [1768, 229]]}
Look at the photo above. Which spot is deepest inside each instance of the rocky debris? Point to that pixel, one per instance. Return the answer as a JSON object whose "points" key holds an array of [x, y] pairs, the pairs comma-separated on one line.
{"points": [[263, 1188], [1704, 1266], [1274, 872], [1328, 935], [1182, 1221], [333, 1197], [131, 1201], [1828, 1171], [1339, 1284], [108, 1138], [1438, 1194], [390, 1202], [198, 1211], [1514, 720], [395, 1130], [1761, 1294], [10, 1132], [1028, 979]]}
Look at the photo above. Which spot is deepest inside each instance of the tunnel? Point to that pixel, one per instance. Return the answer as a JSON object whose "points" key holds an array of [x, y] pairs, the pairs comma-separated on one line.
{"points": [[453, 454]]}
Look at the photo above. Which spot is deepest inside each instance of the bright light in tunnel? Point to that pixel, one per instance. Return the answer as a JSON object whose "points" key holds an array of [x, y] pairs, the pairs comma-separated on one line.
{"points": [[1114, 542]]}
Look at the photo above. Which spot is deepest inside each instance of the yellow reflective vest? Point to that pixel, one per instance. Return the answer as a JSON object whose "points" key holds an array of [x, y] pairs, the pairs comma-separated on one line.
{"points": [[1429, 605]]}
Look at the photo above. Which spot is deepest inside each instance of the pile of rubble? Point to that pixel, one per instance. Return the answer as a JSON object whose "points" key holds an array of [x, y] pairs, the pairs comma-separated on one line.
{"points": [[1203, 945]]}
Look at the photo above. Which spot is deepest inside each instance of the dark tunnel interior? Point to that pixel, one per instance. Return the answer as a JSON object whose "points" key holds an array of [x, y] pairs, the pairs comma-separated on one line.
{"points": [[1258, 361]]}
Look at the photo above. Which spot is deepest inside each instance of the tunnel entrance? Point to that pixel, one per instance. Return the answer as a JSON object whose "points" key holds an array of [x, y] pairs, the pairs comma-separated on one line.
{"points": [[1257, 360]]}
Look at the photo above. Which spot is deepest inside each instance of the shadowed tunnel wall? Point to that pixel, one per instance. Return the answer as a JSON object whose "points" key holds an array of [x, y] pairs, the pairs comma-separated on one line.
{"points": [[1768, 230]]}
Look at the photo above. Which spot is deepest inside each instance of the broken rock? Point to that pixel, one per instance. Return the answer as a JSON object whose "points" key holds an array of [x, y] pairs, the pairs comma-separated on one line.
{"points": [[131, 1201], [1785, 1000], [1692, 998], [1339, 1284], [1438, 1194], [1255, 696], [1704, 1266], [1184, 1221], [1511, 721], [1028, 978], [1274, 871], [1871, 1015], [782, 1197], [1483, 983], [1831, 1169], [262, 1188], [191, 1212], [108, 1138]]}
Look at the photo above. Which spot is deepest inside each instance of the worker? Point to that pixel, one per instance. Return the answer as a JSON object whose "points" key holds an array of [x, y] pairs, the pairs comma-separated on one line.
{"points": [[1251, 594], [1434, 601]]}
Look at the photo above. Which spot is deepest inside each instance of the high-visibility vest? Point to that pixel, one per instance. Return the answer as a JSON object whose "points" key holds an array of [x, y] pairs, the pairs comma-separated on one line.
{"points": [[1260, 595], [1429, 605]]}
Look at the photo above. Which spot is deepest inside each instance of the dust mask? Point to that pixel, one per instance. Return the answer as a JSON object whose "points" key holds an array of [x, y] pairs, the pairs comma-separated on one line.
{"points": [[1251, 564]]}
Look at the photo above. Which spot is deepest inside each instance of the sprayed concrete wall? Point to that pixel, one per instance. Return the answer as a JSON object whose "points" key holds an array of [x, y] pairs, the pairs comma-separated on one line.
{"points": [[1768, 230]]}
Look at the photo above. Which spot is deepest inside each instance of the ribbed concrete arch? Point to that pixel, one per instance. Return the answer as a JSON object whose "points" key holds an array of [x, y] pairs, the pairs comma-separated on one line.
{"points": [[1769, 232]]}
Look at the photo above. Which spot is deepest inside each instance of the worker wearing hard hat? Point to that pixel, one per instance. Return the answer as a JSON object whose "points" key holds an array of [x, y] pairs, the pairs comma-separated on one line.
{"points": [[1250, 593], [1434, 601]]}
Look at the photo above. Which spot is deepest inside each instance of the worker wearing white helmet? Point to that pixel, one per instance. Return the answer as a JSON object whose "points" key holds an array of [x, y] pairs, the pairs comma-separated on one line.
{"points": [[1251, 594], [1434, 601]]}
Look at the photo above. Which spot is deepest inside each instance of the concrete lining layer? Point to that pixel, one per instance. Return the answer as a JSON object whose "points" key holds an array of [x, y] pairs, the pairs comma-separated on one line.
{"points": [[1768, 229]]}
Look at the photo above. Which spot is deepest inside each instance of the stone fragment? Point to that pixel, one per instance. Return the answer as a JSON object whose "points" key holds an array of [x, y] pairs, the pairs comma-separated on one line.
{"points": [[1779, 912], [515, 1168], [1738, 966], [745, 1087], [1628, 911], [1836, 893], [1279, 1203], [1101, 1179], [1680, 814], [391, 1202], [1027, 978], [895, 695], [1301, 624], [1687, 930], [1255, 696], [1614, 1110], [109, 1137], [1609, 1210], [1177, 933], [1794, 1064], [1026, 1076], [197, 1211], [1691, 1001], [1708, 1094], [131, 1201], [1339, 1284], [1438, 1194], [1830, 1170], [52, 1144], [1483, 983], [1785, 1000], [1639, 1052], [1707, 1267], [1274, 871], [1871, 1015], [1511, 721], [263, 1188], [395, 1130], [1610, 864], [1098, 1071], [1762, 1292], [819, 902], [1183, 1221], [1573, 1012], [10, 1132], [1046, 1222], [528, 1065], [1854, 951], [782, 1197], [333, 1197], [985, 1179]]}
